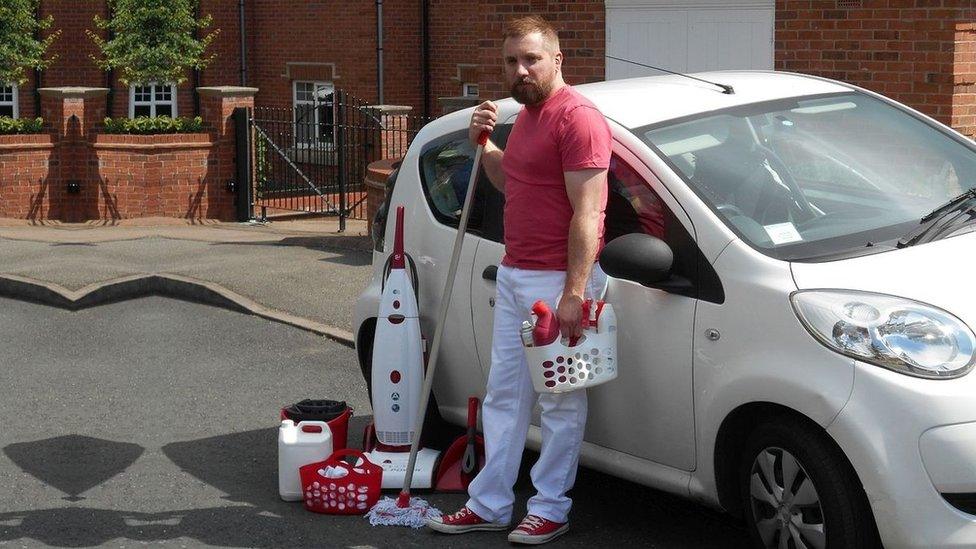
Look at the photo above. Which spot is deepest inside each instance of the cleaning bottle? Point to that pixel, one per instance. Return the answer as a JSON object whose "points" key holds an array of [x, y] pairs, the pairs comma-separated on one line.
{"points": [[546, 325], [526, 333], [298, 445]]}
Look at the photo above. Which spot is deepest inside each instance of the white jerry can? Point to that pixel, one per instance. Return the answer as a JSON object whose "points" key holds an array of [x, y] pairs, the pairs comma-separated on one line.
{"points": [[299, 445]]}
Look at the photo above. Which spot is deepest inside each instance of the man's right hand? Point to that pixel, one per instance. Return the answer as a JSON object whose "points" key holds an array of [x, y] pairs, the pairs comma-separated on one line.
{"points": [[483, 120]]}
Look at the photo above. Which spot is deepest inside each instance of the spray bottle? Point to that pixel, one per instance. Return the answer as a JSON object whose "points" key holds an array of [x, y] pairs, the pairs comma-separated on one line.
{"points": [[546, 325]]}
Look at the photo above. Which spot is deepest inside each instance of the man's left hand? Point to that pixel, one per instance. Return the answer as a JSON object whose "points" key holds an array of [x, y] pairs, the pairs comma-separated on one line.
{"points": [[570, 315]]}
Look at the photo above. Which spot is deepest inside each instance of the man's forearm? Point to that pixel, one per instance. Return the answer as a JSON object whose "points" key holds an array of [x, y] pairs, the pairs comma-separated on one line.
{"points": [[583, 243], [491, 160]]}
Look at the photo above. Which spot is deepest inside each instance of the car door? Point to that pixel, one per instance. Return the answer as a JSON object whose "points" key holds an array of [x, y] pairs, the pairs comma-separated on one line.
{"points": [[444, 168], [648, 411]]}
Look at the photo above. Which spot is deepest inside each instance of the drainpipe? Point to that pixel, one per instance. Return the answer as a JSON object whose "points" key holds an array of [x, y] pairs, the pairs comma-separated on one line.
{"points": [[425, 52], [379, 52], [240, 13]]}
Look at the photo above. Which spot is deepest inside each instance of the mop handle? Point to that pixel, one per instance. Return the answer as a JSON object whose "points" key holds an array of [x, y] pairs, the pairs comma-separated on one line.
{"points": [[404, 498]]}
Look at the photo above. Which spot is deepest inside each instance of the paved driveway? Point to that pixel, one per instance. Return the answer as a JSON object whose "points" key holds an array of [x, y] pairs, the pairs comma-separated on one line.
{"points": [[152, 421]]}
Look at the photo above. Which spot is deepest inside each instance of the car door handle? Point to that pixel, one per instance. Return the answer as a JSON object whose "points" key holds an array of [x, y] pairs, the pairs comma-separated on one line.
{"points": [[490, 273]]}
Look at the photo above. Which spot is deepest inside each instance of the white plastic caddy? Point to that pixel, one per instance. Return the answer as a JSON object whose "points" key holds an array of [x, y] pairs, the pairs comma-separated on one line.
{"points": [[559, 368]]}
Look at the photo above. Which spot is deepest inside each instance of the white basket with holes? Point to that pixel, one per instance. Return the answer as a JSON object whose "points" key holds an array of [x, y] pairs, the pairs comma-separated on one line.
{"points": [[559, 368]]}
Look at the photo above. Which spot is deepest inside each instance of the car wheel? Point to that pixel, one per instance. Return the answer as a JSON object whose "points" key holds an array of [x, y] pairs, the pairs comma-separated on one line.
{"points": [[799, 491]]}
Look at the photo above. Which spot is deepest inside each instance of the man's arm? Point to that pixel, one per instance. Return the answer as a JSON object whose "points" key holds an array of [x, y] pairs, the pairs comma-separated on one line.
{"points": [[491, 161], [483, 120], [585, 191]]}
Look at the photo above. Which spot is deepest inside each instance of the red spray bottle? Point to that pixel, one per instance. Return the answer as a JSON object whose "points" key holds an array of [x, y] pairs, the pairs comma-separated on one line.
{"points": [[546, 324]]}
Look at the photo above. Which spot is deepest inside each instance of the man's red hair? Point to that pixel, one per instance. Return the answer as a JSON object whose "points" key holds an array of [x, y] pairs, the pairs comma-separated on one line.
{"points": [[524, 26]]}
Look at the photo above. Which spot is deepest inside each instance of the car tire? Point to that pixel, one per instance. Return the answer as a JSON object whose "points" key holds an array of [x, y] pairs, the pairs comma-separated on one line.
{"points": [[825, 493]]}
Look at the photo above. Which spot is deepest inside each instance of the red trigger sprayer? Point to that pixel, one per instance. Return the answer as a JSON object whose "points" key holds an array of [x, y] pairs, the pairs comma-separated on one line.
{"points": [[546, 328], [546, 325]]}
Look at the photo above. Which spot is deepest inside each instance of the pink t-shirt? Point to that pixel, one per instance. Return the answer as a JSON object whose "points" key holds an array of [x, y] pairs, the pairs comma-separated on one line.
{"points": [[565, 133]]}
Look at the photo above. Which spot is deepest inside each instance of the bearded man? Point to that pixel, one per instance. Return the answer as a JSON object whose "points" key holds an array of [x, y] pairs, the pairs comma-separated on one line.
{"points": [[554, 177]]}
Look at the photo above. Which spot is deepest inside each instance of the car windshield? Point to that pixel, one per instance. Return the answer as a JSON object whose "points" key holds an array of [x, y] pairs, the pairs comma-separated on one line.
{"points": [[814, 177]]}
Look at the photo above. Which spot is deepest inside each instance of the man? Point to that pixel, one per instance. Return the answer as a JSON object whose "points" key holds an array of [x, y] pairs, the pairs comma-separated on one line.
{"points": [[554, 176]]}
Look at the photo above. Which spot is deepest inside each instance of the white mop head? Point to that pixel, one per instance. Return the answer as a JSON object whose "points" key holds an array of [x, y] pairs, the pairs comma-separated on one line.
{"points": [[387, 513]]}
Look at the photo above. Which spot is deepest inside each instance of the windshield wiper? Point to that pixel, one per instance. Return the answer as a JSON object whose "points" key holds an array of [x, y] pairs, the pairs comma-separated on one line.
{"points": [[935, 218]]}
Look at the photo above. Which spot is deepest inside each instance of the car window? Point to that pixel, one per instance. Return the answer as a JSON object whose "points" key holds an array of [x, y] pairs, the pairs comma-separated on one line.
{"points": [[812, 177], [634, 207], [446, 171], [445, 166]]}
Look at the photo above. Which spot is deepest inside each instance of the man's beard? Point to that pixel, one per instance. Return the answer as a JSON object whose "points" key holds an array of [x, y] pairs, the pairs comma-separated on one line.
{"points": [[531, 93]]}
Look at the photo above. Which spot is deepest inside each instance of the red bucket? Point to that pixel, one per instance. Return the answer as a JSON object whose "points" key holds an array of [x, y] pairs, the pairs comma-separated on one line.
{"points": [[338, 425], [336, 487]]}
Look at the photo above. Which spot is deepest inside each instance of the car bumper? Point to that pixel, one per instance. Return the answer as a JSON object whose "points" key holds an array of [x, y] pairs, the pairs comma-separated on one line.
{"points": [[911, 441]]}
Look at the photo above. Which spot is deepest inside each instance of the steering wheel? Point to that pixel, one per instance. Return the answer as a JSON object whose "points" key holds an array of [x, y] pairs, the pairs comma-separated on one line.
{"points": [[765, 198]]}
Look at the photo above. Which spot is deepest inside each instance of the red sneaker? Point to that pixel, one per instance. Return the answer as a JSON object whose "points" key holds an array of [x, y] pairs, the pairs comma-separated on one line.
{"points": [[534, 530], [461, 522]]}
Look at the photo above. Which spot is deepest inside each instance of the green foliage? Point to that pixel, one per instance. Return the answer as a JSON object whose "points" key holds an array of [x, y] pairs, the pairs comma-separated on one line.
{"points": [[19, 49], [262, 166], [153, 40], [20, 125], [144, 125]]}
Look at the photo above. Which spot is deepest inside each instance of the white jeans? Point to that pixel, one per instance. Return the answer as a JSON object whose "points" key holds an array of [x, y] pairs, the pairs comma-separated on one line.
{"points": [[508, 405]]}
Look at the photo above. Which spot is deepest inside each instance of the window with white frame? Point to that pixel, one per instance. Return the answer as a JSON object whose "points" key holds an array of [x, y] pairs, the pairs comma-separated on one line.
{"points": [[314, 113], [469, 90], [8, 100], [152, 100]]}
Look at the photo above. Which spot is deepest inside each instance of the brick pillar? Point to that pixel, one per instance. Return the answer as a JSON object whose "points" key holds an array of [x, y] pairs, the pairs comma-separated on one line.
{"points": [[393, 136], [217, 106], [71, 114]]}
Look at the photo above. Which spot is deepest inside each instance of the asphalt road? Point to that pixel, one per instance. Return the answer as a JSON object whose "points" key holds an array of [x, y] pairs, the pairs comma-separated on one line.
{"points": [[153, 422]]}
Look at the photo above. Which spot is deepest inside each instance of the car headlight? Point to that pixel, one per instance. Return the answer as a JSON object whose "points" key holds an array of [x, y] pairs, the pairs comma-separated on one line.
{"points": [[899, 334]]}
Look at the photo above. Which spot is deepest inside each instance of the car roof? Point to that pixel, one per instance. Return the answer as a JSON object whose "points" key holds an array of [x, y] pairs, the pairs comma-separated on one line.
{"points": [[636, 102]]}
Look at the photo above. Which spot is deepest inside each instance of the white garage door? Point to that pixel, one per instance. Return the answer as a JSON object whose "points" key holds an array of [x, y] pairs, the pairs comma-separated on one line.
{"points": [[689, 35]]}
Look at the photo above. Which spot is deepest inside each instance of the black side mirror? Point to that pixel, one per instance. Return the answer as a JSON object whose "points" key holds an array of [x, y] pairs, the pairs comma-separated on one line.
{"points": [[637, 257]]}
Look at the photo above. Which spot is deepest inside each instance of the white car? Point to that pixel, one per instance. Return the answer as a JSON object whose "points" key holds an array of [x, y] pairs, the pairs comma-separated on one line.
{"points": [[803, 360]]}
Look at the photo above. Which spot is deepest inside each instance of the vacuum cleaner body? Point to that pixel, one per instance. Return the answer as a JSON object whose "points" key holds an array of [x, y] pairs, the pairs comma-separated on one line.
{"points": [[398, 356], [398, 374]]}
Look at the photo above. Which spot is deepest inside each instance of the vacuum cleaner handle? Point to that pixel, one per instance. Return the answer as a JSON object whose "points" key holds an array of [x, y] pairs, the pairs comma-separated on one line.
{"points": [[404, 498], [472, 413]]}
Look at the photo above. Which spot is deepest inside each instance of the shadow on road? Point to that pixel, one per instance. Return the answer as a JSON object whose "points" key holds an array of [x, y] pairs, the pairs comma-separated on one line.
{"points": [[607, 510], [352, 251], [73, 463]]}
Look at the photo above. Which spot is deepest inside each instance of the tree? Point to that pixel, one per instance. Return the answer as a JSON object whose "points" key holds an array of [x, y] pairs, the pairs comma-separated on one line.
{"points": [[19, 48], [152, 40]]}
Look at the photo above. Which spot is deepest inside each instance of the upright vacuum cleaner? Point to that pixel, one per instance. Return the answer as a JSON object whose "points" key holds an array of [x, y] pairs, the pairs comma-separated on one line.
{"points": [[398, 374]]}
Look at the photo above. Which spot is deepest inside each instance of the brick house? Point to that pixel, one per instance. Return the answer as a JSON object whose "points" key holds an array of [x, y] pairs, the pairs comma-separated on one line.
{"points": [[921, 52]]}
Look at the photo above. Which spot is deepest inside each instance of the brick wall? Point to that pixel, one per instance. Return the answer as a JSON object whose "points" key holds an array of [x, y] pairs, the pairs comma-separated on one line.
{"points": [[964, 77], [74, 49], [915, 51], [455, 56], [466, 43], [163, 176], [336, 41], [25, 162], [119, 176], [328, 40]]}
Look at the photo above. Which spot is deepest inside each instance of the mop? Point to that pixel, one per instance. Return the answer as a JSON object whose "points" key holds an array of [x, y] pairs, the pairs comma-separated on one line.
{"points": [[406, 510]]}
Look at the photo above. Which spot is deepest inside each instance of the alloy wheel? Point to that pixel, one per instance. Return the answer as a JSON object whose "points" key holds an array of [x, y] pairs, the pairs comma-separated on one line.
{"points": [[785, 503]]}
